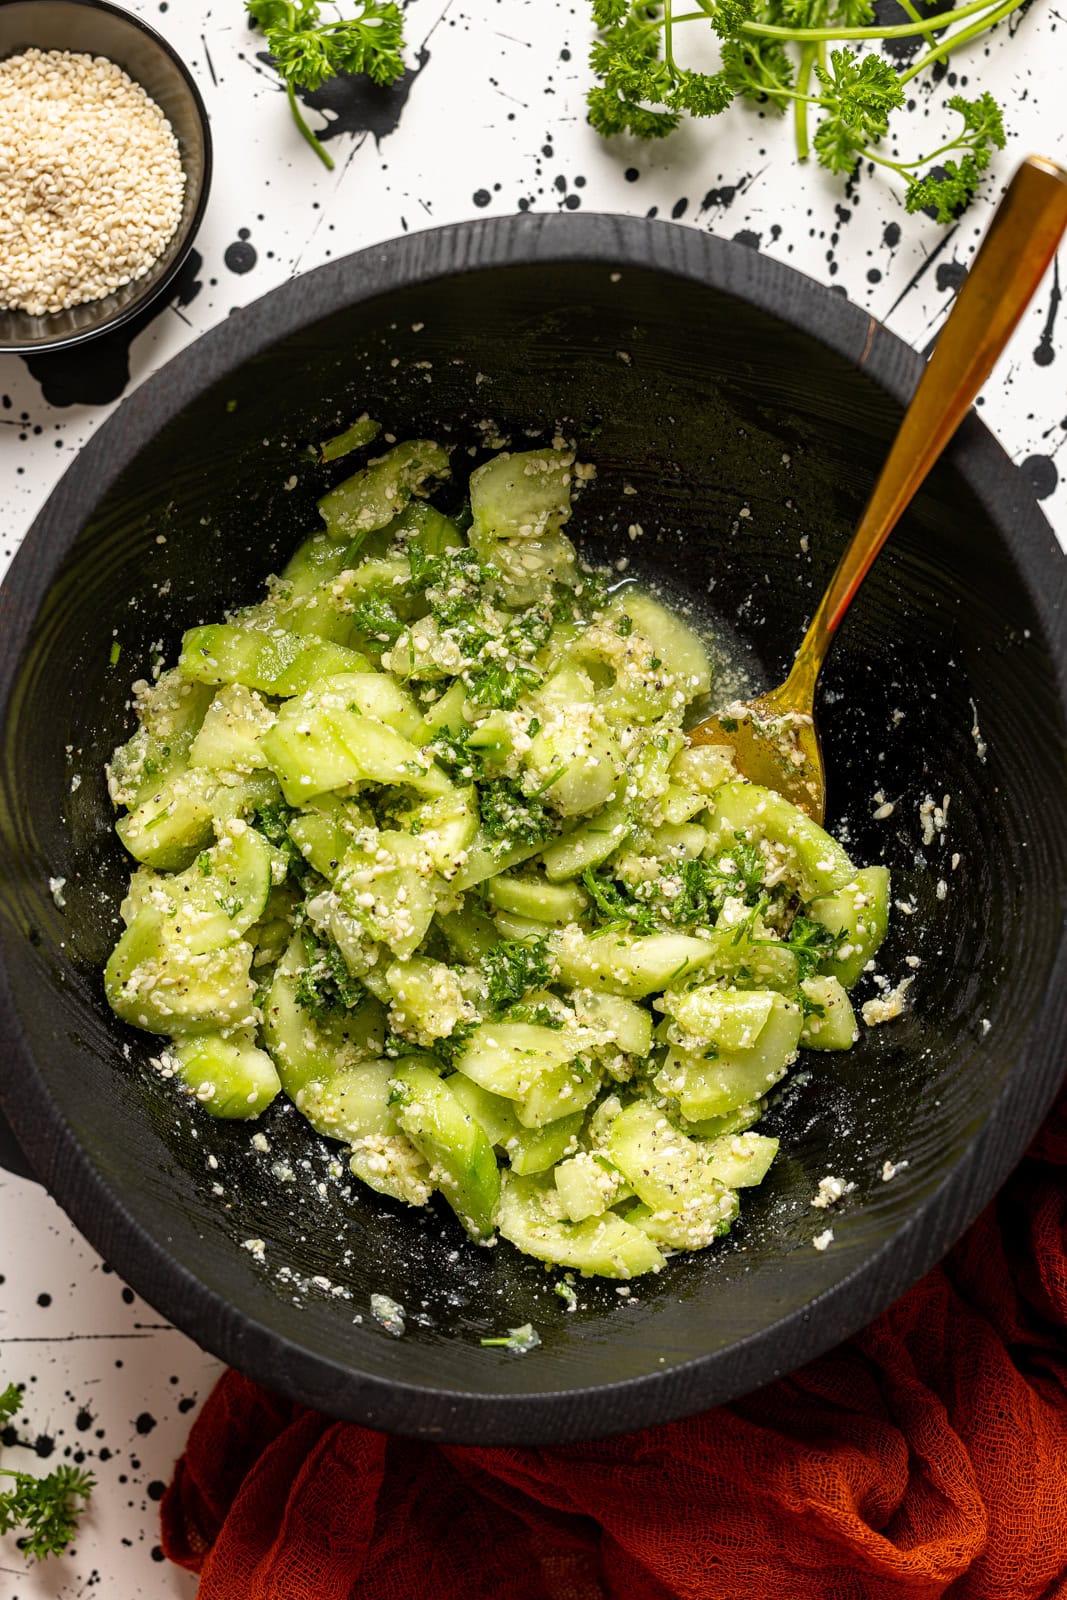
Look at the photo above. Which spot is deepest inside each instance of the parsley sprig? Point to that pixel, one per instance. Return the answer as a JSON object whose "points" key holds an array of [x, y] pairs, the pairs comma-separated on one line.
{"points": [[44, 1510], [306, 51], [775, 52]]}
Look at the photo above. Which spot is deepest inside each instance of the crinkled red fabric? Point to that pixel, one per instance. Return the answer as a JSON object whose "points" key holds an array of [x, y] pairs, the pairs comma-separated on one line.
{"points": [[926, 1457]]}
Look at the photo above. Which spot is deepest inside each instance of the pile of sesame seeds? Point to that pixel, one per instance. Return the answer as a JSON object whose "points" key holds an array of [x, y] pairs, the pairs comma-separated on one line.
{"points": [[91, 180]]}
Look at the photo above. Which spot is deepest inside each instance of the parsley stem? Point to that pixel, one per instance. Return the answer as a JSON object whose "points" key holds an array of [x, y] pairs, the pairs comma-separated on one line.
{"points": [[800, 104], [902, 30], [668, 36], [319, 149], [953, 40], [907, 167]]}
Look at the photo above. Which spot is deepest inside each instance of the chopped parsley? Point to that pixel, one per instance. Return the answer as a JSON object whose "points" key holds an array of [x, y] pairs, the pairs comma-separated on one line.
{"points": [[540, 1015], [811, 942], [705, 886], [272, 821], [514, 967], [501, 682], [454, 753], [326, 988], [510, 816], [377, 619], [616, 903]]}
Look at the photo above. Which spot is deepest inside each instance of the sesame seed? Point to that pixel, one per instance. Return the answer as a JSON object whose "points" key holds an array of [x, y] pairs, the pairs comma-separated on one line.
{"points": [[91, 180]]}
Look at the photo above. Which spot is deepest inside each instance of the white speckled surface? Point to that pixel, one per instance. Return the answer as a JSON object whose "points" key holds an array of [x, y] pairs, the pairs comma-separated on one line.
{"points": [[493, 121]]}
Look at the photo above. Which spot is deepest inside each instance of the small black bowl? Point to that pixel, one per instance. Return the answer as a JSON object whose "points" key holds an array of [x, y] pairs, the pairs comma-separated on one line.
{"points": [[750, 410], [92, 27]]}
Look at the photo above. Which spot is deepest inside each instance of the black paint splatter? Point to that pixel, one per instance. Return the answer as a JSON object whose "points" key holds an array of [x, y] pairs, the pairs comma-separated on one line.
{"points": [[240, 257], [748, 237], [950, 275], [96, 374], [1045, 353], [1041, 474], [356, 105], [145, 1422], [725, 196], [891, 235], [889, 14]]}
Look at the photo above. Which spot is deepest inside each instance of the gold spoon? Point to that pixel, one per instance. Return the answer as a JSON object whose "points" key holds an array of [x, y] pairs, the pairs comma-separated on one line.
{"points": [[773, 738]]}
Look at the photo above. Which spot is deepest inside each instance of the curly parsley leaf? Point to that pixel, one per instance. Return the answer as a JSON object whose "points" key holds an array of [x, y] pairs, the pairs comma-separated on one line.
{"points": [[454, 754], [44, 1511], [501, 682], [272, 821], [950, 187], [859, 93], [10, 1402], [772, 51]]}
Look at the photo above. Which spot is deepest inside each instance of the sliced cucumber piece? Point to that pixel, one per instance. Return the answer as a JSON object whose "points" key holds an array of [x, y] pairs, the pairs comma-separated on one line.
{"points": [[306, 1048], [232, 729], [322, 740], [536, 899], [508, 1058], [372, 498], [829, 1020], [589, 1185], [814, 859], [230, 1077], [711, 1087], [491, 1111], [740, 1160], [626, 1025], [631, 967], [217, 899], [386, 887], [607, 1246], [559, 1091], [590, 843], [428, 1002], [276, 661], [537, 1149], [859, 912], [520, 496], [714, 1017], [161, 986], [459, 1154], [678, 646]]}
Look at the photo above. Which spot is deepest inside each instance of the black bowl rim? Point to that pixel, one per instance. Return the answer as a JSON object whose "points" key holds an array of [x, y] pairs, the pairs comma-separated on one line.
{"points": [[156, 291], [102, 1215]]}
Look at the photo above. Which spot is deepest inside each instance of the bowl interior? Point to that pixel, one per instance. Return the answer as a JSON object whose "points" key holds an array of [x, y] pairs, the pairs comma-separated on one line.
{"points": [[751, 447], [88, 27]]}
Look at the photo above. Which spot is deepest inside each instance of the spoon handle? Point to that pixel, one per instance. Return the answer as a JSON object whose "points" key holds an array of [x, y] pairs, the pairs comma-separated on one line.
{"points": [[1021, 241]]}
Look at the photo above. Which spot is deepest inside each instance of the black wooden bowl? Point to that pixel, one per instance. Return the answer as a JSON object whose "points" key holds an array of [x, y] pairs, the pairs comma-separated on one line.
{"points": [[93, 27], [750, 410]]}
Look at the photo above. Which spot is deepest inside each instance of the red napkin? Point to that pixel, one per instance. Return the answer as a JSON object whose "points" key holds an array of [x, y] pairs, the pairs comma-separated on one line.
{"points": [[926, 1457]]}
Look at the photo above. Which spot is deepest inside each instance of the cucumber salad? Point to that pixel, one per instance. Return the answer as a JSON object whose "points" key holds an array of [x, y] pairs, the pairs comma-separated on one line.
{"points": [[421, 845]]}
